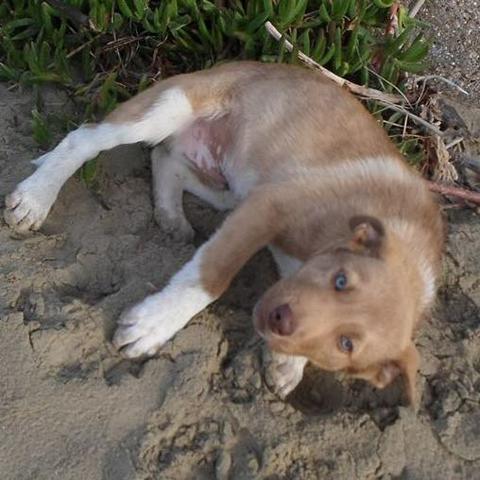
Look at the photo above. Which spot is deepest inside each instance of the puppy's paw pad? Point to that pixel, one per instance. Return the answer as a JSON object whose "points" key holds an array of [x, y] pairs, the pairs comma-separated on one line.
{"points": [[141, 331], [146, 346], [28, 206], [176, 227], [283, 374]]}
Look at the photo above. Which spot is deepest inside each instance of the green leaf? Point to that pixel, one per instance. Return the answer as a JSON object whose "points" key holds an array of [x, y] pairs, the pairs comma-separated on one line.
{"points": [[8, 74], [21, 22], [46, 11], [296, 12], [324, 15], [353, 42], [320, 46], [41, 132], [394, 46], [30, 32], [257, 22], [383, 3], [412, 67], [417, 51], [141, 7], [268, 7], [304, 39], [338, 48], [88, 172], [125, 9], [339, 9], [364, 76], [328, 56]]}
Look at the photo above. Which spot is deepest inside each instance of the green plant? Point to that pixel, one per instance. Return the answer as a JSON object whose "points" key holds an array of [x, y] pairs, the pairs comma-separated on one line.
{"points": [[41, 131], [103, 51]]}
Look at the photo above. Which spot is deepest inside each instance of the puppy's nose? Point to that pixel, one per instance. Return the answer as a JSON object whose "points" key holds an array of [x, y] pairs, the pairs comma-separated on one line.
{"points": [[281, 321]]}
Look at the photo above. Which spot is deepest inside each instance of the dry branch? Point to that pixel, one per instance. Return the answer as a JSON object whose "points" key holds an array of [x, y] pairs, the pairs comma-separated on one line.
{"points": [[457, 192], [365, 92], [73, 14], [392, 25], [416, 8]]}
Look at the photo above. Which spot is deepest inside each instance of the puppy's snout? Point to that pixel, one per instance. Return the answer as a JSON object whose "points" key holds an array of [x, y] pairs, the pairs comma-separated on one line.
{"points": [[281, 320]]}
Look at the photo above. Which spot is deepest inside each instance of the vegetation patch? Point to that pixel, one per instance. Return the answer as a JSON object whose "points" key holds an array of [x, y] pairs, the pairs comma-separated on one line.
{"points": [[104, 51]]}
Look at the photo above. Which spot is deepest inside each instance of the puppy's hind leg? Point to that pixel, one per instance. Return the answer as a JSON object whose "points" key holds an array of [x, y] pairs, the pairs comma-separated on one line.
{"points": [[169, 178], [220, 199], [28, 206]]}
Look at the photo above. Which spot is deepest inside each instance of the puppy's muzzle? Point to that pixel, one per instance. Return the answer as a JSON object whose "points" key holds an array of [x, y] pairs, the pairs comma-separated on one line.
{"points": [[281, 321]]}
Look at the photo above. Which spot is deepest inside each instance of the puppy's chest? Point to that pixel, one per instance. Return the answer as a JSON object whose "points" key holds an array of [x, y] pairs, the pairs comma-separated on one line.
{"points": [[206, 144]]}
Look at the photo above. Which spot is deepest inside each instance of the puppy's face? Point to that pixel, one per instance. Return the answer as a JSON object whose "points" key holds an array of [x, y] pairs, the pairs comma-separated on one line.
{"points": [[346, 310]]}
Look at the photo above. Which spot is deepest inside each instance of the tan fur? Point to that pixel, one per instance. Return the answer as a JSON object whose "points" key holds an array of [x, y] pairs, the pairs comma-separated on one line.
{"points": [[207, 91], [313, 175], [317, 159]]}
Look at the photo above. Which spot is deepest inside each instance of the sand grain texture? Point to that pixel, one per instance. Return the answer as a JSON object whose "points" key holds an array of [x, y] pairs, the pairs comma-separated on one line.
{"points": [[71, 408]]}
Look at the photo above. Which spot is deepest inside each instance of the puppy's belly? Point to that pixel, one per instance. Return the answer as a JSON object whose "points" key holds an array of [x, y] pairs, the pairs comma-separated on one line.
{"points": [[206, 143]]}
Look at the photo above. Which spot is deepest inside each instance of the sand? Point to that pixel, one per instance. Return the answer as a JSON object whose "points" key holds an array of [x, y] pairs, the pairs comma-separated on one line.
{"points": [[72, 408]]}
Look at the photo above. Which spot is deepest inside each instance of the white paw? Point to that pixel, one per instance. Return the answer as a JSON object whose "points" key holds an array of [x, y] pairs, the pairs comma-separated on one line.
{"points": [[143, 329], [177, 227], [147, 326], [284, 372], [28, 206]]}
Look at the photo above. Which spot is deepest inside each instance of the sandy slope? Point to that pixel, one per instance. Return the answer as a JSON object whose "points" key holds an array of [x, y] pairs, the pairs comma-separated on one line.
{"points": [[71, 408]]}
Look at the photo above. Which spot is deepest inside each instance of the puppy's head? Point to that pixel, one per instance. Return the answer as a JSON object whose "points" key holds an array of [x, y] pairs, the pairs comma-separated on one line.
{"points": [[349, 309]]}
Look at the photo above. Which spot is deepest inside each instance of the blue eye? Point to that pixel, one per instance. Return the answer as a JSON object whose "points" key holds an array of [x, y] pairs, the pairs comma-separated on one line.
{"points": [[340, 281], [345, 344]]}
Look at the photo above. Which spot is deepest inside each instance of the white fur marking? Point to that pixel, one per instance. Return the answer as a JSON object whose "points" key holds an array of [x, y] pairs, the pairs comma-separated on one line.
{"points": [[428, 278], [151, 323], [37, 193], [409, 233], [284, 373], [170, 113], [241, 182], [286, 264], [354, 170]]}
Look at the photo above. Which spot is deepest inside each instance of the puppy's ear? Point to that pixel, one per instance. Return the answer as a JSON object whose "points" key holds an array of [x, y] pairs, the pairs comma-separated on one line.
{"points": [[368, 235], [406, 365]]}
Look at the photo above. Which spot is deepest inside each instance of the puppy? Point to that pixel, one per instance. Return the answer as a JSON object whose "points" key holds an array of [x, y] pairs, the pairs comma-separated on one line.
{"points": [[309, 173]]}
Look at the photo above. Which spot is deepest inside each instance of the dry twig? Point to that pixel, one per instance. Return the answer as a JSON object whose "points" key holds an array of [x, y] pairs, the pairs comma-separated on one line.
{"points": [[426, 78], [443, 171], [365, 92], [457, 192], [416, 8], [73, 14], [416, 119], [388, 99], [455, 142], [392, 25]]}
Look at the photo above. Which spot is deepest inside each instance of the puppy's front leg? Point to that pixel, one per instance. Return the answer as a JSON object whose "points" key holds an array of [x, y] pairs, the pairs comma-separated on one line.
{"points": [[284, 372], [148, 325]]}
